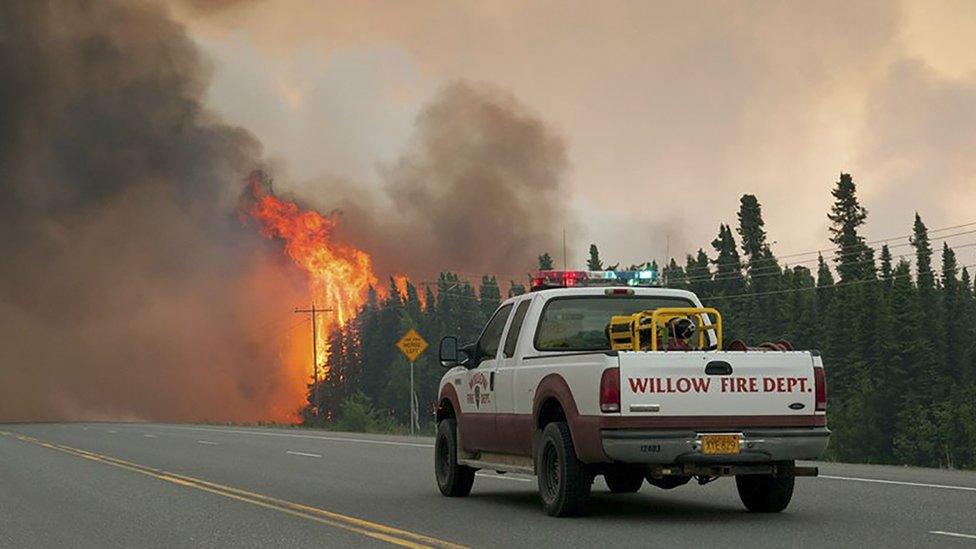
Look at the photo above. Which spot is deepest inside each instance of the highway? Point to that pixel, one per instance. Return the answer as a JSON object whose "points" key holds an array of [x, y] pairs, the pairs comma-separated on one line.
{"points": [[156, 485]]}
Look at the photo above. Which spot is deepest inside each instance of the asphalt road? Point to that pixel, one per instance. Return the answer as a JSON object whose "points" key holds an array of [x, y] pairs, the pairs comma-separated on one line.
{"points": [[151, 485]]}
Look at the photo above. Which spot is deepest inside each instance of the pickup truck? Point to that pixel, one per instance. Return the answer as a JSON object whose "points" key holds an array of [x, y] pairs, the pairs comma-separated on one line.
{"points": [[543, 391]]}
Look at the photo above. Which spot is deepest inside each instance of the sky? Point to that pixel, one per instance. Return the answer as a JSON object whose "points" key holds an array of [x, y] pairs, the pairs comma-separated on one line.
{"points": [[669, 111]]}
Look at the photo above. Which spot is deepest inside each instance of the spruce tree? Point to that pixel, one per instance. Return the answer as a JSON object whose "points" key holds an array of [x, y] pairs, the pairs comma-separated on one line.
{"points": [[489, 296], [929, 308], [846, 216], [728, 267], [594, 263], [765, 313], [699, 274], [674, 275], [801, 303], [847, 310], [955, 352], [545, 262], [825, 298], [824, 276], [886, 272], [753, 234], [965, 409], [728, 281], [951, 313], [925, 279], [905, 348]]}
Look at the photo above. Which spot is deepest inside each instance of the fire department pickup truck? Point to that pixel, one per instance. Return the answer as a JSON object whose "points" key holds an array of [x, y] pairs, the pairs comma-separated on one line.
{"points": [[575, 380]]}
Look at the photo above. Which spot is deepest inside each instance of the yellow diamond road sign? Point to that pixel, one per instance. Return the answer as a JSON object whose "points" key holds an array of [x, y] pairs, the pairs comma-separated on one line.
{"points": [[411, 345]]}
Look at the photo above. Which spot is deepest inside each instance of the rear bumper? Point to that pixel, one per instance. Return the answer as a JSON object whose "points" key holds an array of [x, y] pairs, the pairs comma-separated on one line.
{"points": [[682, 446]]}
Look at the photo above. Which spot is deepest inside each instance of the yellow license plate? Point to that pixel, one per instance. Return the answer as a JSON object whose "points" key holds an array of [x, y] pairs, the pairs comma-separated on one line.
{"points": [[720, 444]]}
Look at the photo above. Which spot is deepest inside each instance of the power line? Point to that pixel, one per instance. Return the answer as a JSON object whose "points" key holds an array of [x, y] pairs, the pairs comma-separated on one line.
{"points": [[809, 288], [773, 269], [855, 248], [771, 262]]}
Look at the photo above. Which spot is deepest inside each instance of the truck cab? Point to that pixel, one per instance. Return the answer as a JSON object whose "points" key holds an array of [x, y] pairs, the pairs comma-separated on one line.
{"points": [[576, 380]]}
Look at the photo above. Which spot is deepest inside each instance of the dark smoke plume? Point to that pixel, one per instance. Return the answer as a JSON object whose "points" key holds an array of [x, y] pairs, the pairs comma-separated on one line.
{"points": [[480, 189], [128, 287]]}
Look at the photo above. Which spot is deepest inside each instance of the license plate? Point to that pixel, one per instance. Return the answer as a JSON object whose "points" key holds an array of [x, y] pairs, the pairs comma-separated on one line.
{"points": [[720, 444]]}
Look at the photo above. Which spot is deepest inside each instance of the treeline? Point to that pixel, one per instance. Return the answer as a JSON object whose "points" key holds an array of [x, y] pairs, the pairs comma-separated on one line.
{"points": [[898, 336]]}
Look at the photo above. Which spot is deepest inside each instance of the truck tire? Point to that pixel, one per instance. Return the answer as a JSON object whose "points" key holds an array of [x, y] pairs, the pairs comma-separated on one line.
{"points": [[454, 480], [624, 479], [765, 493], [564, 481]]}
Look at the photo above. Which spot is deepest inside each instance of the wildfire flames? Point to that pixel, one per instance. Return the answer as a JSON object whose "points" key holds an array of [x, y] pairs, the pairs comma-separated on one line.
{"points": [[339, 275]]}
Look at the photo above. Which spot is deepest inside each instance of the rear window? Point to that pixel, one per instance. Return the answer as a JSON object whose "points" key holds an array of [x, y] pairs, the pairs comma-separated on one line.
{"points": [[580, 323]]}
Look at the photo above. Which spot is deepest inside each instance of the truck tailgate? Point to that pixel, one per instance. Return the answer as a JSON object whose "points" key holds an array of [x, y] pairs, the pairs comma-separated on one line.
{"points": [[716, 383]]}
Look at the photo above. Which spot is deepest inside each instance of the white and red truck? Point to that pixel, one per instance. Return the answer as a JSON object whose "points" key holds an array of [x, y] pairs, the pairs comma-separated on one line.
{"points": [[556, 386]]}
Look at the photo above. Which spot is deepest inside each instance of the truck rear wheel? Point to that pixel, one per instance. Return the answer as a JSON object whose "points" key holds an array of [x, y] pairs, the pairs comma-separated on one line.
{"points": [[624, 479], [454, 480], [765, 493], [564, 481]]}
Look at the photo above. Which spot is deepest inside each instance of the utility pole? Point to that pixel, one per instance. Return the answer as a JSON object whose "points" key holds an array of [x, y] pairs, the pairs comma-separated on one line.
{"points": [[667, 260], [564, 248], [315, 350]]}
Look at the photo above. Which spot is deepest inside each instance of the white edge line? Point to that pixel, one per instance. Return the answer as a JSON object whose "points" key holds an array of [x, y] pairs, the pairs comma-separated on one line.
{"points": [[306, 454], [150, 436], [952, 534], [207, 442], [902, 483], [296, 435], [502, 477]]}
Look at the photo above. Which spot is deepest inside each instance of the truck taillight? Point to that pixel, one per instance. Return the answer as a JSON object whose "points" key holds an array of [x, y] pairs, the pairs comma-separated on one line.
{"points": [[610, 390], [820, 383]]}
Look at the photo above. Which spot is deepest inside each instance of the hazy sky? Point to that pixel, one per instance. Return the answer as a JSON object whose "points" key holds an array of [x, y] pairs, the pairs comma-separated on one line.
{"points": [[670, 111]]}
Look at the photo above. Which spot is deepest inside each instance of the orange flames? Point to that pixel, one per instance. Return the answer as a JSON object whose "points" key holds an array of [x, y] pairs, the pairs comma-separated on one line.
{"points": [[339, 275], [401, 281]]}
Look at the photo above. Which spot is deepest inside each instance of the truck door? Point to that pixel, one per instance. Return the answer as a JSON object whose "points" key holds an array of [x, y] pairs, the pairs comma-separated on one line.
{"points": [[477, 429], [505, 384]]}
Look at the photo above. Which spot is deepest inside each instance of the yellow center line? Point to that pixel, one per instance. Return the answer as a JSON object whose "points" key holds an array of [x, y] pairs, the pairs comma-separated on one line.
{"points": [[360, 526]]}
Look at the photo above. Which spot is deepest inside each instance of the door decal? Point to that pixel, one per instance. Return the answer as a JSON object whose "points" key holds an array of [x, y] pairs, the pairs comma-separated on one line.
{"points": [[478, 393]]}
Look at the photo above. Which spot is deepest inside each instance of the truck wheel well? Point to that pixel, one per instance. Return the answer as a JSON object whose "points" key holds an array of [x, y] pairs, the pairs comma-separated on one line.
{"points": [[445, 410], [550, 411]]}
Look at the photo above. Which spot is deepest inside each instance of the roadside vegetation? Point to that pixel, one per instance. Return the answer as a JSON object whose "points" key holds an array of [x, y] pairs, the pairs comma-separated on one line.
{"points": [[898, 334]]}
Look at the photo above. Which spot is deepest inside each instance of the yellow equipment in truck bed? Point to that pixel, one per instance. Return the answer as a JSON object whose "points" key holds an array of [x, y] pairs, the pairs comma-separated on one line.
{"points": [[644, 330]]}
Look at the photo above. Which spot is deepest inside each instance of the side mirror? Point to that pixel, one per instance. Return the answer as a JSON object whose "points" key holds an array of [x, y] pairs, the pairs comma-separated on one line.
{"points": [[450, 355], [449, 351]]}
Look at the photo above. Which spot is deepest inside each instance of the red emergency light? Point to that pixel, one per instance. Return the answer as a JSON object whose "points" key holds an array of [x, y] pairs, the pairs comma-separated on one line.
{"points": [[558, 279]]}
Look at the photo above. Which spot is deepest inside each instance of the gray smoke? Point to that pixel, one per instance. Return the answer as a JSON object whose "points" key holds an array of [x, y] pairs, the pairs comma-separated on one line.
{"points": [[480, 189], [128, 286]]}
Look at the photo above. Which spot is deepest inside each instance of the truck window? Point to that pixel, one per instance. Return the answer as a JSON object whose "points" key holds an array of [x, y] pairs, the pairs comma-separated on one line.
{"points": [[513, 331], [579, 323], [491, 337]]}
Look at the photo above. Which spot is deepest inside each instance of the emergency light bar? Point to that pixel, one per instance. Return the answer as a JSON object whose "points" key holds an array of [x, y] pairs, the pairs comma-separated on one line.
{"points": [[567, 279]]}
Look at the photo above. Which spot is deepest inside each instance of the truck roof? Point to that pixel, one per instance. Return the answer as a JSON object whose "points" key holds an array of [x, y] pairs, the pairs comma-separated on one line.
{"points": [[602, 290]]}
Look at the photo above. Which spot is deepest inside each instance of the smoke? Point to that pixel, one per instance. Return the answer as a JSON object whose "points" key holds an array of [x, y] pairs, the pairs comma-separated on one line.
{"points": [[918, 141], [480, 189], [131, 289], [128, 287]]}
